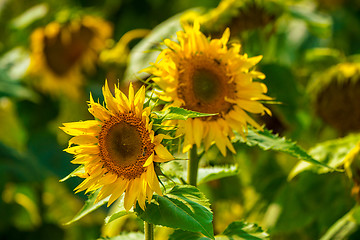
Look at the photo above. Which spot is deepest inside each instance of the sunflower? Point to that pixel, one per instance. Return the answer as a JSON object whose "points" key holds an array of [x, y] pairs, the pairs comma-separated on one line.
{"points": [[118, 149], [335, 94], [61, 51], [240, 16], [206, 76]]}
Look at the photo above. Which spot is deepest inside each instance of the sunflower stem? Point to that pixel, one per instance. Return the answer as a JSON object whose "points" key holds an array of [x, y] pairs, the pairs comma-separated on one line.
{"points": [[193, 166], [149, 231]]}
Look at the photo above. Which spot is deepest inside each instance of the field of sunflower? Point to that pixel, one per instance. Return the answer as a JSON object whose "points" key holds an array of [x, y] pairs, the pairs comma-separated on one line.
{"points": [[172, 120]]}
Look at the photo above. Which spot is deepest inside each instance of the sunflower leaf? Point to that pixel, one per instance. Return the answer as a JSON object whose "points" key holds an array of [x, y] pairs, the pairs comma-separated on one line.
{"points": [[180, 235], [269, 141], [183, 207], [244, 230], [89, 207], [213, 173], [175, 113], [236, 230], [332, 153], [115, 216]]}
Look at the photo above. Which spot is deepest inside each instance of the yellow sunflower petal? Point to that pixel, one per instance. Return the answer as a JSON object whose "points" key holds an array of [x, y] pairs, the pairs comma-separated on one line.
{"points": [[140, 98], [109, 99], [85, 158], [152, 180], [120, 187], [131, 95], [149, 160], [83, 140], [163, 153], [132, 193], [86, 149], [82, 124], [142, 194]]}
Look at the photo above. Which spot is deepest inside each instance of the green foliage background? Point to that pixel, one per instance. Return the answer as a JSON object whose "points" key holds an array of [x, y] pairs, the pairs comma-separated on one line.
{"points": [[264, 187]]}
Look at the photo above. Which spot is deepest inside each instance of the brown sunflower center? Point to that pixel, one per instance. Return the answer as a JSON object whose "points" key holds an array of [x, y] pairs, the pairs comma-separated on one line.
{"points": [[61, 55], [204, 84], [125, 145]]}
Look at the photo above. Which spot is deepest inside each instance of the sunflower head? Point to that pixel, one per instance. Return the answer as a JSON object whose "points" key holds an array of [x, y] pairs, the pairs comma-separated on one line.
{"points": [[239, 16], [206, 76], [118, 149], [60, 51], [335, 96]]}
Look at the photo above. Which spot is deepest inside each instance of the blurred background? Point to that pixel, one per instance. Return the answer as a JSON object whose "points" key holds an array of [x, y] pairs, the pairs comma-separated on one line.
{"points": [[53, 53]]}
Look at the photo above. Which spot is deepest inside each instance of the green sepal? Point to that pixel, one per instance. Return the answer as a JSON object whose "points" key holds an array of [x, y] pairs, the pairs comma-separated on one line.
{"points": [[80, 169]]}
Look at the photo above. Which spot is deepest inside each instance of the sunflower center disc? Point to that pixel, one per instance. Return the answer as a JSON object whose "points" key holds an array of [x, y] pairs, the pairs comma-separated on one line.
{"points": [[123, 143], [61, 56], [204, 84]]}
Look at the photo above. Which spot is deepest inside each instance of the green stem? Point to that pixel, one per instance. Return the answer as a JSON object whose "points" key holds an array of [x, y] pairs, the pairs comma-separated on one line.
{"points": [[193, 166], [149, 231]]}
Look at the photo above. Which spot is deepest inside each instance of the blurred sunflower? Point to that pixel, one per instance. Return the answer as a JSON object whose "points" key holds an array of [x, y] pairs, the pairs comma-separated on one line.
{"points": [[61, 51], [205, 76], [239, 16], [118, 148], [335, 94]]}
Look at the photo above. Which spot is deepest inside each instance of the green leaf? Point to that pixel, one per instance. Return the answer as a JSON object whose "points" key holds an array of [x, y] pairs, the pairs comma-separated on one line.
{"points": [[175, 113], [181, 235], [244, 230], [80, 169], [183, 207], [213, 173], [127, 236], [117, 210], [331, 153], [115, 216], [89, 207], [269, 141]]}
